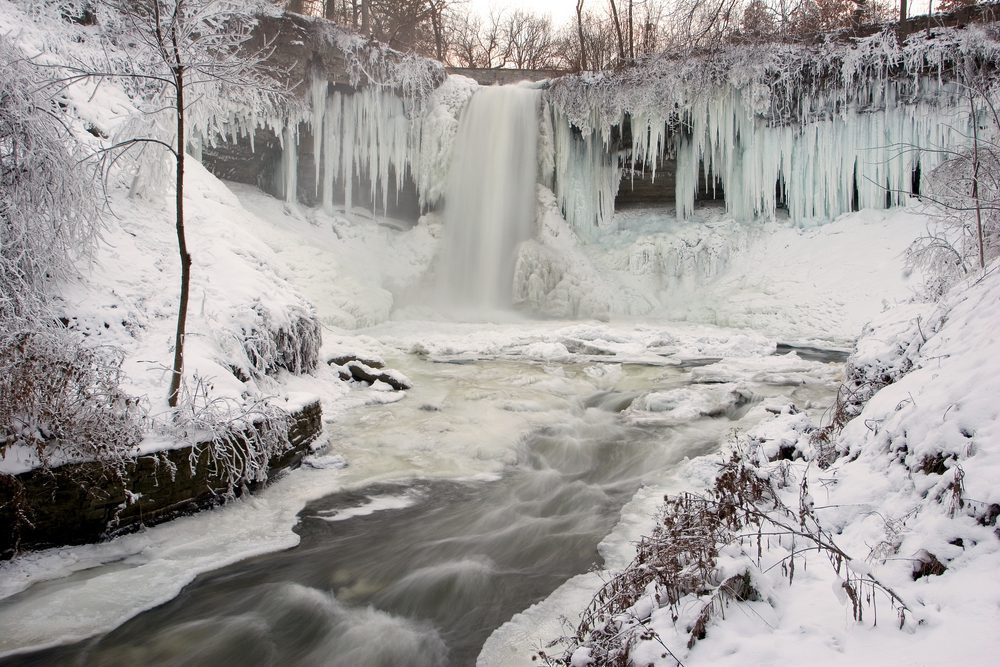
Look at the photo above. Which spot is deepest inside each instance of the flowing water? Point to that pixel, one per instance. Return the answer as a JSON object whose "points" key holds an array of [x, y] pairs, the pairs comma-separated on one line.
{"points": [[490, 203], [421, 570]]}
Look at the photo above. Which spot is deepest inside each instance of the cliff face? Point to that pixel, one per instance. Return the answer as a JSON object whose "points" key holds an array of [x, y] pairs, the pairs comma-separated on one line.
{"points": [[306, 51]]}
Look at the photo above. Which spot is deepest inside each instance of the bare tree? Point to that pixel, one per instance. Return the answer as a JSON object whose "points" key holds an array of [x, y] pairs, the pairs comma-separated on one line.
{"points": [[583, 40], [631, 33], [695, 23], [407, 25], [437, 9], [758, 21], [618, 29], [600, 42], [529, 40], [814, 16], [653, 13], [463, 30], [188, 55], [492, 45]]}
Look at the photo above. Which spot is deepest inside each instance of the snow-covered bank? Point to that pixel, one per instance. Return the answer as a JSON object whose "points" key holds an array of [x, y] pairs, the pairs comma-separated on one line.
{"points": [[904, 498]]}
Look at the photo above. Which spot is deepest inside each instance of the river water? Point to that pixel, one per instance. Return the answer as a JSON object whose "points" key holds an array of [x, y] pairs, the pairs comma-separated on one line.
{"points": [[476, 496]]}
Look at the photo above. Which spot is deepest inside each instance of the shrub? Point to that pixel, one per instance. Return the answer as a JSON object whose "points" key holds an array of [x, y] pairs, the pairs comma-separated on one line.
{"points": [[49, 214], [241, 437], [292, 345], [63, 399]]}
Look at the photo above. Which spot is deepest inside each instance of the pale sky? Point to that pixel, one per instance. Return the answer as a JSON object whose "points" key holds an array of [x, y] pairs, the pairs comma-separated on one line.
{"points": [[561, 11]]}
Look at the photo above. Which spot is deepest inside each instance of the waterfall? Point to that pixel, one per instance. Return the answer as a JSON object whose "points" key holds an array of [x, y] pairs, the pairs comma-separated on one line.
{"points": [[490, 197]]}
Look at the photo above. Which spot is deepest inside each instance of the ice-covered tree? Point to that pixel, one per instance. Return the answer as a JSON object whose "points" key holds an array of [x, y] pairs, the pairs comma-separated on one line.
{"points": [[48, 212], [964, 193], [54, 389], [192, 67]]}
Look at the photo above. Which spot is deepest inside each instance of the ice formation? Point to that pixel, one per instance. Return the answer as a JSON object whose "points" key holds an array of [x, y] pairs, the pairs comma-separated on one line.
{"points": [[374, 132], [817, 130]]}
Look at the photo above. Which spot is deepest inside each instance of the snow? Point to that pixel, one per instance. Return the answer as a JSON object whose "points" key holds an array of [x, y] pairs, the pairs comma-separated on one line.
{"points": [[817, 285], [373, 504], [631, 295]]}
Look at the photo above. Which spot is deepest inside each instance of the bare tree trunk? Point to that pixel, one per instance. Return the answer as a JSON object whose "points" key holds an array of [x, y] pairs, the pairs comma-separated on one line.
{"points": [[858, 14], [173, 394], [579, 29], [618, 30], [975, 179], [365, 28], [902, 10], [436, 20], [631, 33]]}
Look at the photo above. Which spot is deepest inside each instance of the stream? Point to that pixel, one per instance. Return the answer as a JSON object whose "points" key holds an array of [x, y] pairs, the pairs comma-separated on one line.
{"points": [[490, 485]]}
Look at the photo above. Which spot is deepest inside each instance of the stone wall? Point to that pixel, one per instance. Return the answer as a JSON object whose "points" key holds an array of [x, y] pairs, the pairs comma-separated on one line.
{"points": [[503, 77], [87, 502]]}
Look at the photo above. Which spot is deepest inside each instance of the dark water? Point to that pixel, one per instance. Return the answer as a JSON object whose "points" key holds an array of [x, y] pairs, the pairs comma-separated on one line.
{"points": [[419, 585], [814, 353]]}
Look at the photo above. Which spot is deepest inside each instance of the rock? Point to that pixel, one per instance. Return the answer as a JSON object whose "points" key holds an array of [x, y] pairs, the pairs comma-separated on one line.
{"points": [[926, 564], [344, 359], [79, 503], [364, 373]]}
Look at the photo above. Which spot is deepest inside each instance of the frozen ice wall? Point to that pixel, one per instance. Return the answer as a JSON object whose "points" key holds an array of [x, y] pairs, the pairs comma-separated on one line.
{"points": [[371, 135], [490, 197], [860, 158], [818, 130]]}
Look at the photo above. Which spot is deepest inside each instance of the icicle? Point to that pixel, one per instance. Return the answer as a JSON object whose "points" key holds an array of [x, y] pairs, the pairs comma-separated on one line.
{"points": [[318, 91], [331, 148], [858, 143], [587, 177], [350, 130], [290, 161]]}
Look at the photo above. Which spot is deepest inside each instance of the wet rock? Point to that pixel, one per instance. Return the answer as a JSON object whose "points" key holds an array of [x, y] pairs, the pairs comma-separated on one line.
{"points": [[79, 503], [344, 359], [365, 373]]}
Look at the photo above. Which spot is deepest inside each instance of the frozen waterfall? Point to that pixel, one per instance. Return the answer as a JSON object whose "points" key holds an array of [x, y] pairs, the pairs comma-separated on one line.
{"points": [[489, 198]]}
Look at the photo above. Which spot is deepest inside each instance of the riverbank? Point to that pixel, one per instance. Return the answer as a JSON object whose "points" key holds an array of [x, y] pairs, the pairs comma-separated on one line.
{"points": [[871, 542]]}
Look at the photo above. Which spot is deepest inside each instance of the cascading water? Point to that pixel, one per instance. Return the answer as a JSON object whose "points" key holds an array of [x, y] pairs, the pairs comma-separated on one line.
{"points": [[490, 198]]}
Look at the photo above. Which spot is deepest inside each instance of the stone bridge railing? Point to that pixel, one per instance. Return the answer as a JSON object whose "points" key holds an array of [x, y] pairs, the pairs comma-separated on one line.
{"points": [[502, 77]]}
